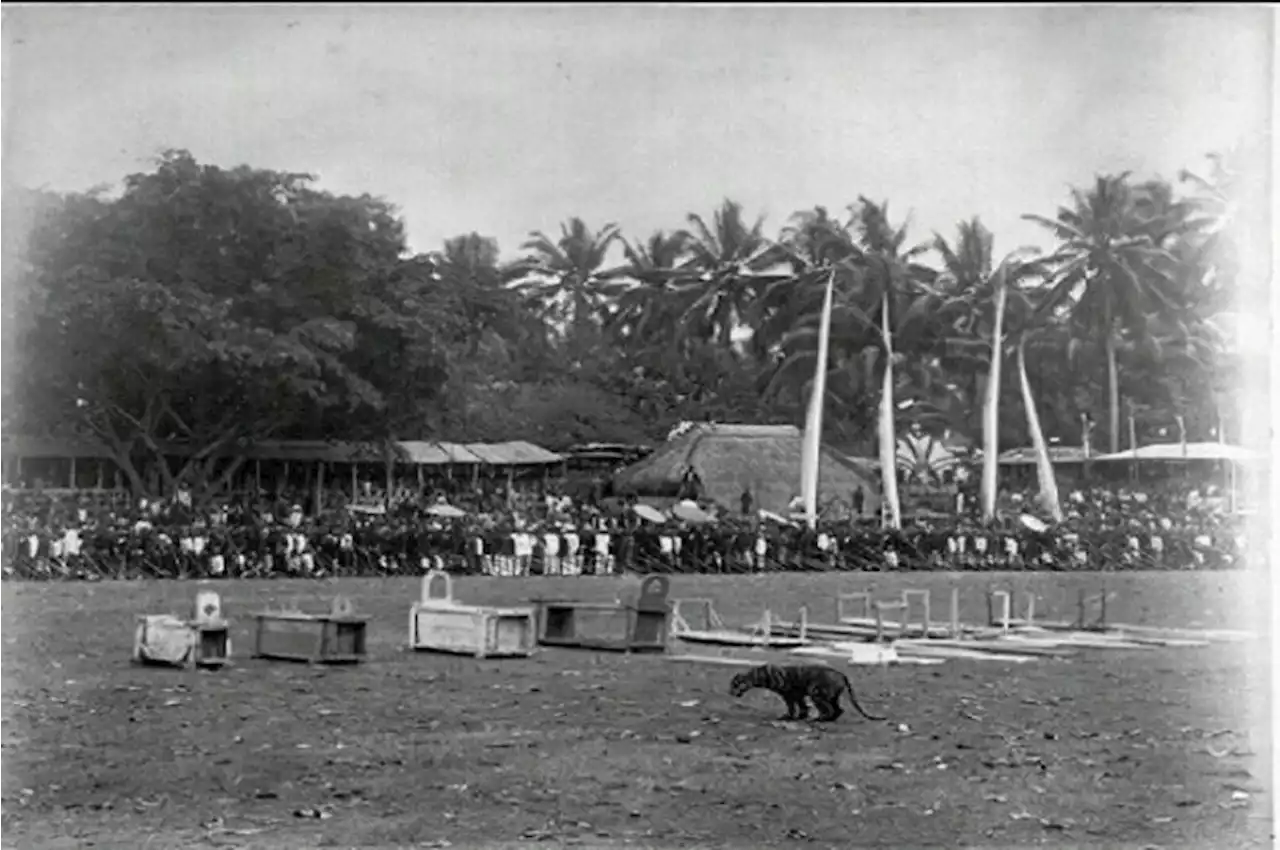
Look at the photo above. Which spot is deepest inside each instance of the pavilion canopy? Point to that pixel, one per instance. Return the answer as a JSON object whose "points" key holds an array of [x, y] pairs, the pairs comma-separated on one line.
{"points": [[1191, 451], [409, 452], [1057, 455]]}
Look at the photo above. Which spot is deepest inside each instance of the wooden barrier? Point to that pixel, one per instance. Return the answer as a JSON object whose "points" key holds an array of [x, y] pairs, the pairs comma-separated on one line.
{"points": [[626, 626], [870, 614], [201, 641], [437, 623], [337, 637]]}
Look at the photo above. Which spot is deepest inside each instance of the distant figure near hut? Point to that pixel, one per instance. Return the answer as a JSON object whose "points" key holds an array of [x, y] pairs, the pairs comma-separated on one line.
{"points": [[691, 484], [747, 501]]}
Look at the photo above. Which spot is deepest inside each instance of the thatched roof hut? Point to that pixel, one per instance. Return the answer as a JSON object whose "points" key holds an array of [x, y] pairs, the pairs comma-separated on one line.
{"points": [[762, 459]]}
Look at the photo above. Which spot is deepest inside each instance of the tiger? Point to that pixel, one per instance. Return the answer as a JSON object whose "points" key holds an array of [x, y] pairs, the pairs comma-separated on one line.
{"points": [[794, 683]]}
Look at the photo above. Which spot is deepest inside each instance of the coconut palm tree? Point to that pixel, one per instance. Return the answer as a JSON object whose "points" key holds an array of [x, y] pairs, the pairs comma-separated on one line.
{"points": [[815, 246], [978, 295], [563, 277], [895, 292], [727, 267], [1107, 255], [644, 306]]}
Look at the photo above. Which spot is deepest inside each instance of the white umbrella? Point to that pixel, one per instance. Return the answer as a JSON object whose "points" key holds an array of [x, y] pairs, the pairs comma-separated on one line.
{"points": [[690, 512], [1033, 523], [447, 511], [650, 513]]}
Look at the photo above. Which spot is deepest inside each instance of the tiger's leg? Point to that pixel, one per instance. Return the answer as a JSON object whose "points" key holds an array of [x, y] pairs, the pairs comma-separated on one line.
{"points": [[792, 707], [801, 701], [833, 705]]}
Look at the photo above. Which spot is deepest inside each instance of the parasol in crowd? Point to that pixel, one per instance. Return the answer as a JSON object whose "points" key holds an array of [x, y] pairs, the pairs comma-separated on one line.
{"points": [[446, 511], [772, 517], [1034, 524], [689, 511], [652, 514]]}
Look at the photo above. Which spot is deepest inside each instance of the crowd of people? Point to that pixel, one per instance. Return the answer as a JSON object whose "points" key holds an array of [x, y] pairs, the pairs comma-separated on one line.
{"points": [[540, 530]]}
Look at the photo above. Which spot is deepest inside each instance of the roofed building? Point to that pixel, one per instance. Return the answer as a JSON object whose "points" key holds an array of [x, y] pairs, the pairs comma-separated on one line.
{"points": [[761, 459]]}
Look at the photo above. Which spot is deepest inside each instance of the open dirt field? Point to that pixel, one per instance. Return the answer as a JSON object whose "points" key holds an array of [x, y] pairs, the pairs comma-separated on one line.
{"points": [[1159, 748]]}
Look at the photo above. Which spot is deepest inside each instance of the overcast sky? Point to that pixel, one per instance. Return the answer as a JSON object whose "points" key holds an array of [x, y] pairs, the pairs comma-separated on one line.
{"points": [[506, 120]]}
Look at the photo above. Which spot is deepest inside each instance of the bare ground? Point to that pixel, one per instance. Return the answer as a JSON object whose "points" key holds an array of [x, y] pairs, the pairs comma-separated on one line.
{"points": [[1165, 747]]}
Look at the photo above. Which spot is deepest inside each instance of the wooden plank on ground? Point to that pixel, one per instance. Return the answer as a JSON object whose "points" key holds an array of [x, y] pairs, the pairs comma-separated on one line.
{"points": [[931, 649]]}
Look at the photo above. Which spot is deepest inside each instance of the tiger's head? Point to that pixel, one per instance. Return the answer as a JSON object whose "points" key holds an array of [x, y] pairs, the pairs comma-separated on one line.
{"points": [[741, 684]]}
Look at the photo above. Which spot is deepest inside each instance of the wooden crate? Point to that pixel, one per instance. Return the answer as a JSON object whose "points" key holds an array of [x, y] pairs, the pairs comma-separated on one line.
{"points": [[437, 623], [201, 641], [334, 638], [624, 626]]}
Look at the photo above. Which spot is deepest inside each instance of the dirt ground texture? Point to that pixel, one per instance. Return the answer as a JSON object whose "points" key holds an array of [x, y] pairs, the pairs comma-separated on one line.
{"points": [[1163, 747]]}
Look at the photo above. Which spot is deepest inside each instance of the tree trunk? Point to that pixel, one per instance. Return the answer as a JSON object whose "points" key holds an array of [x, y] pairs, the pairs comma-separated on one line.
{"points": [[991, 410], [1044, 467], [888, 440], [1113, 391]]}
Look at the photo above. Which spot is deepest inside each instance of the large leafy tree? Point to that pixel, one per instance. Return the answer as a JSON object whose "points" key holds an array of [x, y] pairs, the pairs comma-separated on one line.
{"points": [[204, 307]]}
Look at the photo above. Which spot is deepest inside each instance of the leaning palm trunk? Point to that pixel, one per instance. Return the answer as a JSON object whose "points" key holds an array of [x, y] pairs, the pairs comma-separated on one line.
{"points": [[888, 443], [1044, 468], [991, 408]]}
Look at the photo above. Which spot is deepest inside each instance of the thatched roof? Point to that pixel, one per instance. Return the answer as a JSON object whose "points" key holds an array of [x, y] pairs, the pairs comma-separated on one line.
{"points": [[764, 459]]}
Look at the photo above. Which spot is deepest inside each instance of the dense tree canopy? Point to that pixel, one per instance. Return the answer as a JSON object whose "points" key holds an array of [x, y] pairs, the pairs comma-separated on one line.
{"points": [[207, 306]]}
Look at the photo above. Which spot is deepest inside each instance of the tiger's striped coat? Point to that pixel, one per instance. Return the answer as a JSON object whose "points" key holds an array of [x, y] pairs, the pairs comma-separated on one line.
{"points": [[797, 683]]}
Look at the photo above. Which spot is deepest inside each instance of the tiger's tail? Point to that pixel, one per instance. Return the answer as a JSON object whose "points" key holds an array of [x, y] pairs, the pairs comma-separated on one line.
{"points": [[848, 686]]}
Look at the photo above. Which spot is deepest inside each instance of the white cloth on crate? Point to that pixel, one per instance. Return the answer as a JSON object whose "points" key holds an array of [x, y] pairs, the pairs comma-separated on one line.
{"points": [[164, 638]]}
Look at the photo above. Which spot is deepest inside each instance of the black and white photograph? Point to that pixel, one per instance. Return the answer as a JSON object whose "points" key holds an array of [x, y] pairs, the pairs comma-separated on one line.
{"points": [[632, 425]]}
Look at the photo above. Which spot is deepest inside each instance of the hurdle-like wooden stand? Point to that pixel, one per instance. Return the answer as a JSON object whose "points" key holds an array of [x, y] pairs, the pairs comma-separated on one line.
{"points": [[439, 624], [205, 636], [760, 635], [334, 638], [622, 626], [870, 614]]}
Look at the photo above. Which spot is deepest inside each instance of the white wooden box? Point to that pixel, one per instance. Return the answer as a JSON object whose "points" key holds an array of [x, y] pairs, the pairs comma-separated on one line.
{"points": [[439, 624]]}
